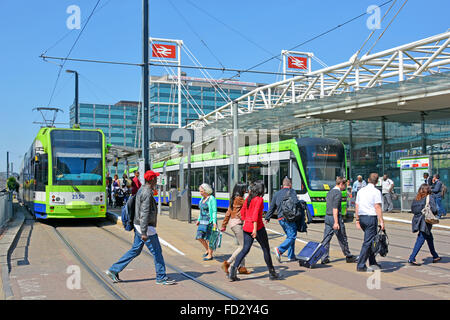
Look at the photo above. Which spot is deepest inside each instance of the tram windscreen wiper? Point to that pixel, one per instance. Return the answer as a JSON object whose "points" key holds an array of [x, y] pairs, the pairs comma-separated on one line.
{"points": [[58, 172]]}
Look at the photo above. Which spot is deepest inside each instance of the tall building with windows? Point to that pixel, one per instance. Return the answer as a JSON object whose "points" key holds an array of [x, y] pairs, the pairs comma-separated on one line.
{"points": [[121, 122], [199, 96], [118, 122]]}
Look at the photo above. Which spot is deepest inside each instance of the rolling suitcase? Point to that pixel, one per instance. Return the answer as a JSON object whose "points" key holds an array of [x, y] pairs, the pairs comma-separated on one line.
{"points": [[311, 254]]}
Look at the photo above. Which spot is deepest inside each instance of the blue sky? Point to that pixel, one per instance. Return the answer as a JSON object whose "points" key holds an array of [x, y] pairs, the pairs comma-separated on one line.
{"points": [[114, 32]]}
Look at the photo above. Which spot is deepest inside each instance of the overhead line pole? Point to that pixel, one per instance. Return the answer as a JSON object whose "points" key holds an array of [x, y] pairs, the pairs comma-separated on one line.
{"points": [[145, 84]]}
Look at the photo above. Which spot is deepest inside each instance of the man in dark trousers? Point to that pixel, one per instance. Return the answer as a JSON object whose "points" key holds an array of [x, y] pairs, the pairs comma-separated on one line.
{"points": [[436, 191], [144, 233], [290, 228], [367, 214], [334, 224]]}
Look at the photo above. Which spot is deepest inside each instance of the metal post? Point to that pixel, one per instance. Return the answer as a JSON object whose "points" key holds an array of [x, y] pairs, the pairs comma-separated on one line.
{"points": [[383, 143], [145, 83], [188, 178], [350, 173], [76, 99], [235, 146], [7, 164], [424, 139]]}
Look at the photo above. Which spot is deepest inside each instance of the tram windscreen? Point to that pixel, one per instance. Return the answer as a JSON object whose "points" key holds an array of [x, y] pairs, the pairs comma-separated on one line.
{"points": [[77, 157], [322, 164]]}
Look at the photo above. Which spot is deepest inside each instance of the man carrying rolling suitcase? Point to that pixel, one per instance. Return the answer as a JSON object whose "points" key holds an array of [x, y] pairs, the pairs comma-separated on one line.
{"points": [[334, 224]]}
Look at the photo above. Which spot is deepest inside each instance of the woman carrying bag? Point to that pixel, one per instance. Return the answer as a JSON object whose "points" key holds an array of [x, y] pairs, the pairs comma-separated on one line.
{"points": [[252, 215], [207, 220], [233, 218], [420, 225]]}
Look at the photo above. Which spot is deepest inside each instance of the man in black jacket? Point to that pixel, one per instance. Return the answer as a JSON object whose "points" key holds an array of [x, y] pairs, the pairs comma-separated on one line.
{"points": [[290, 228], [144, 233], [334, 224]]}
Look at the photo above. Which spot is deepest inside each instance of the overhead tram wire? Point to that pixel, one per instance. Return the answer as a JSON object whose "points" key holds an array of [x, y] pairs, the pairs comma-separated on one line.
{"points": [[392, 20], [68, 33], [231, 28], [196, 33], [162, 65], [310, 40], [70, 51]]}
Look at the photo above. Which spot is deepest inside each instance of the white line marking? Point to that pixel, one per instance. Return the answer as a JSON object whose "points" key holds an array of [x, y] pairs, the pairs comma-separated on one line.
{"points": [[273, 231], [161, 240], [406, 221], [165, 243]]}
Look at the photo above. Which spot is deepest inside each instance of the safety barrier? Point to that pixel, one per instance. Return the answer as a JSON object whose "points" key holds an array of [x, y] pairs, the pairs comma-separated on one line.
{"points": [[6, 207]]}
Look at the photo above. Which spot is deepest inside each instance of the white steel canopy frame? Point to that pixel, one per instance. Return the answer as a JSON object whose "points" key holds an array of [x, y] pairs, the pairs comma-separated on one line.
{"points": [[421, 58]]}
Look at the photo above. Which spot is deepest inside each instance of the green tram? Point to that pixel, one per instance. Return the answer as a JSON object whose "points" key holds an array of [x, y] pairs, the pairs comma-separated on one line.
{"points": [[63, 174], [312, 163]]}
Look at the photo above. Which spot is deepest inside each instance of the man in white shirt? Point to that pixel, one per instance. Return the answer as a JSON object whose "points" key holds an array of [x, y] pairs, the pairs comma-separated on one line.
{"points": [[368, 213], [387, 187]]}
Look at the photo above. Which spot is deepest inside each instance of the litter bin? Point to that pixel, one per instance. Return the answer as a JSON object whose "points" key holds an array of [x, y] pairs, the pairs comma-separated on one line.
{"points": [[183, 205], [173, 203]]}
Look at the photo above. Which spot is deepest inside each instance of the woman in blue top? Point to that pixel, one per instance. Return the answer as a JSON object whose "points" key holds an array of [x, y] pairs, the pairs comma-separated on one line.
{"points": [[207, 219]]}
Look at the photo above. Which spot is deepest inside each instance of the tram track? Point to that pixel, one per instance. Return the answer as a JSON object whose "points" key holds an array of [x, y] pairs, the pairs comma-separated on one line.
{"points": [[204, 284], [97, 274]]}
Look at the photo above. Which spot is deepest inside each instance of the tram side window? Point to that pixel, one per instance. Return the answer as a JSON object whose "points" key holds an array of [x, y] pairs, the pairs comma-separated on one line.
{"points": [[281, 171], [209, 177], [242, 173], [173, 179], [41, 172], [297, 182], [257, 172], [222, 179], [196, 178]]}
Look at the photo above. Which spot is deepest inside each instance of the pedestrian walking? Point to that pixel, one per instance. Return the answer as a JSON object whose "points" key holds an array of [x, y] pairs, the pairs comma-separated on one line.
{"points": [[289, 228], [421, 226], [334, 223], [207, 219], [144, 233], [135, 183], [368, 213], [252, 214], [126, 187], [387, 186], [233, 218], [358, 185], [109, 189], [436, 190]]}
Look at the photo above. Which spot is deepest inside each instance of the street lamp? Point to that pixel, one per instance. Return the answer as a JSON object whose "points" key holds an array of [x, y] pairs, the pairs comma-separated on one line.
{"points": [[76, 95]]}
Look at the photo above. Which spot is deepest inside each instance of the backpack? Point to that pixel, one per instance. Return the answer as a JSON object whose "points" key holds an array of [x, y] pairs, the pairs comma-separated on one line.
{"points": [[288, 207], [301, 217], [128, 212], [381, 243]]}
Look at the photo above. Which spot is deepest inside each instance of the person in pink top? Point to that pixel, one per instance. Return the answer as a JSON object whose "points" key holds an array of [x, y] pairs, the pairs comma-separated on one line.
{"points": [[252, 215]]}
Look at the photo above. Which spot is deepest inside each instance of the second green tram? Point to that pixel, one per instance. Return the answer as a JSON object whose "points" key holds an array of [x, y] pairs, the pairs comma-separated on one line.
{"points": [[312, 163], [63, 174]]}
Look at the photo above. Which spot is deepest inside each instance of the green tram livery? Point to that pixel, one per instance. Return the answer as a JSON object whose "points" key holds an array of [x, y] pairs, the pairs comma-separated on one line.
{"points": [[312, 163], [63, 174]]}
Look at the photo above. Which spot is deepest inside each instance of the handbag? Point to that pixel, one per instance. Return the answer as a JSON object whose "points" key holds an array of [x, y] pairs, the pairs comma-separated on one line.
{"points": [[215, 239], [430, 218], [380, 244], [394, 196]]}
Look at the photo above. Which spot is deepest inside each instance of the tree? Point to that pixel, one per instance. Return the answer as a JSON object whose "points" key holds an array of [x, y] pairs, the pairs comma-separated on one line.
{"points": [[12, 184]]}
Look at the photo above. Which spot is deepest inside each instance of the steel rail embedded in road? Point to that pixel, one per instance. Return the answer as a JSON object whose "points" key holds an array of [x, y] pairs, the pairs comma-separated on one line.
{"points": [[200, 282], [97, 275]]}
